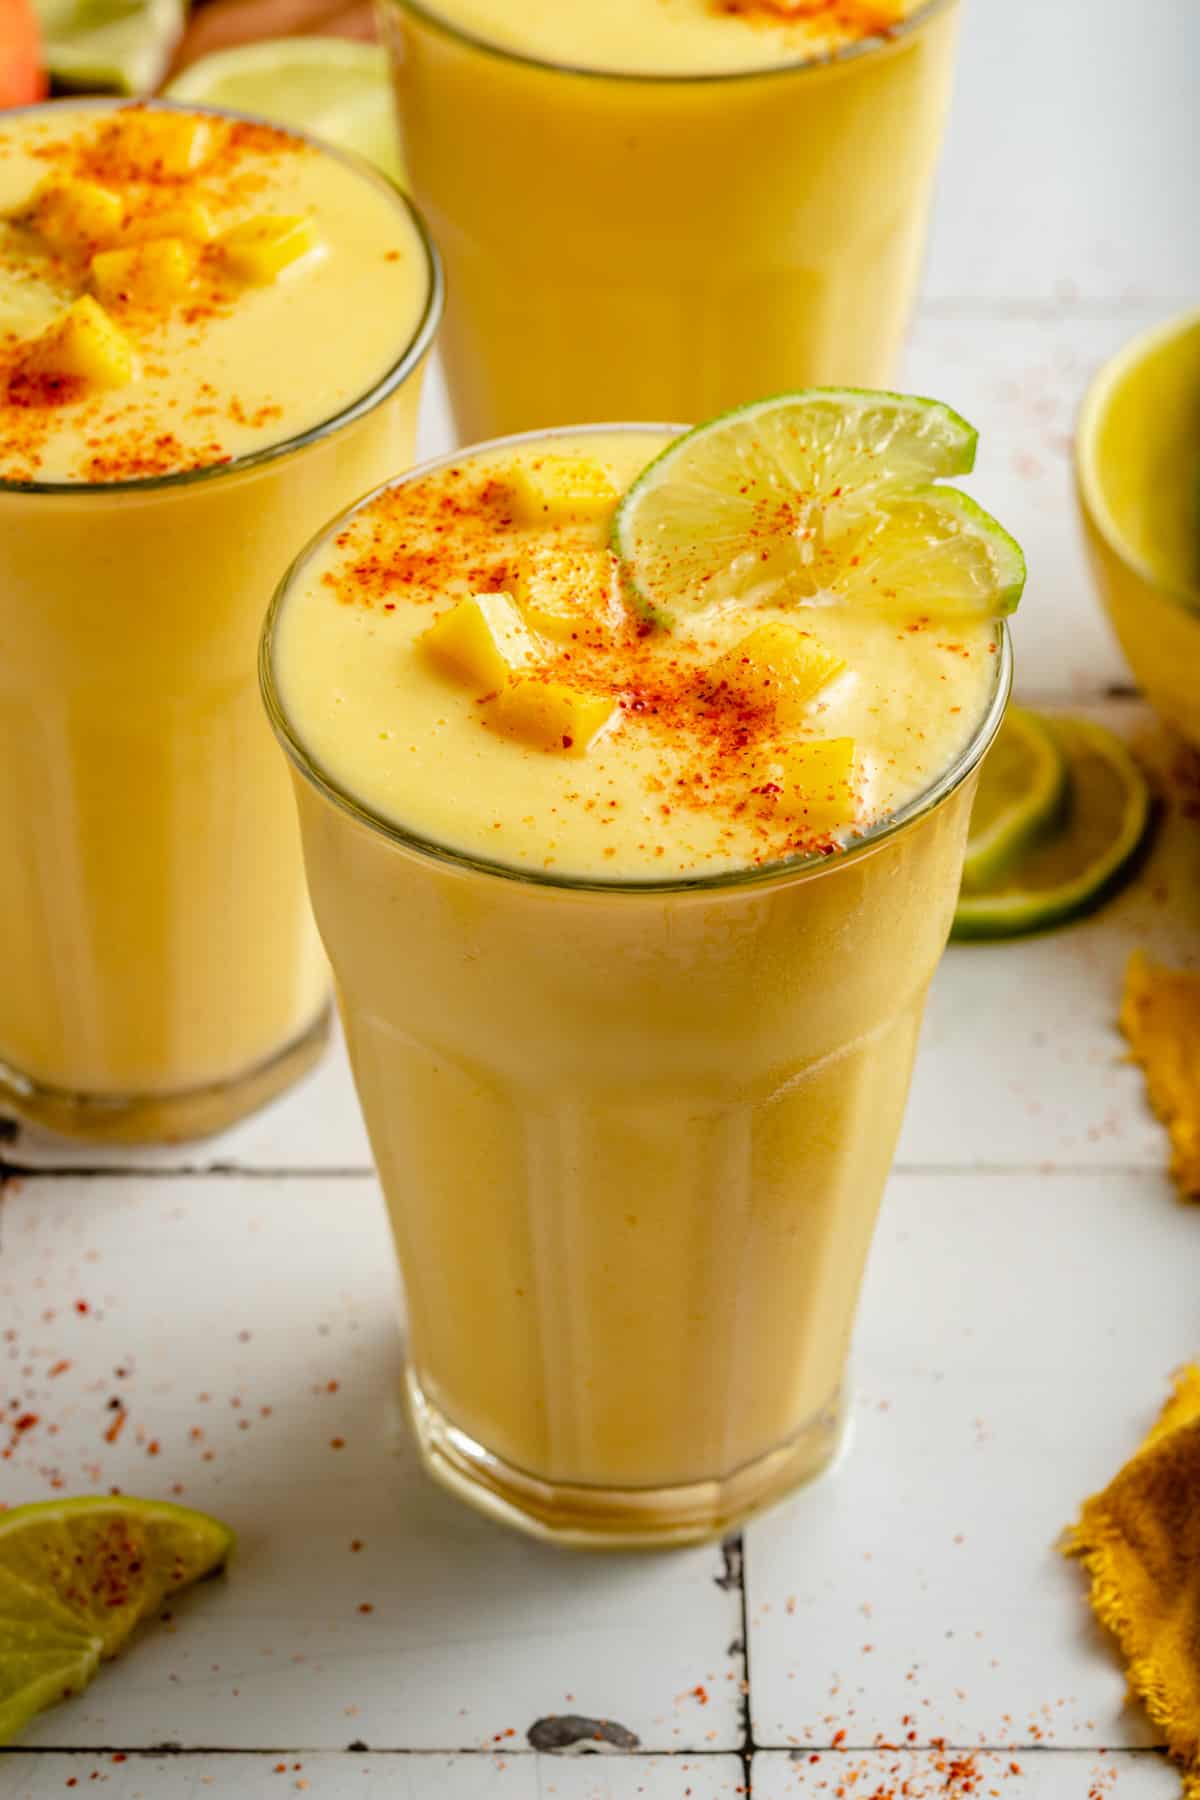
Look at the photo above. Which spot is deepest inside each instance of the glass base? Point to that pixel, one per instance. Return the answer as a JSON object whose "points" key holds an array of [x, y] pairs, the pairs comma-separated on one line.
{"points": [[600, 1518], [162, 1118]]}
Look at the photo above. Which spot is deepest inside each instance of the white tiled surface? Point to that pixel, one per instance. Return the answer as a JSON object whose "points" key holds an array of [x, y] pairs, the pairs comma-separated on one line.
{"points": [[1029, 1293], [403, 1777], [1048, 1083], [855, 1775], [217, 1298], [1016, 1336], [1071, 124]]}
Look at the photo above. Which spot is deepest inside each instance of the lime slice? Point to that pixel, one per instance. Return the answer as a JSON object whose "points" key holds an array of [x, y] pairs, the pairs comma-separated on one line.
{"points": [[1106, 822], [335, 88], [819, 497], [119, 46], [931, 552], [76, 1576], [1022, 788]]}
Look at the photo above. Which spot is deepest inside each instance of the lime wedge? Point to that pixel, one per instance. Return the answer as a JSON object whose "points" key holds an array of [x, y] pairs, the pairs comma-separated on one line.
{"points": [[819, 497], [337, 89], [1105, 824], [931, 552], [1021, 792], [76, 1576], [119, 46]]}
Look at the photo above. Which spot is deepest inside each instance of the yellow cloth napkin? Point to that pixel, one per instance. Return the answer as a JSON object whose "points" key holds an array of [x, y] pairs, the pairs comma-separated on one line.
{"points": [[1140, 1543], [1160, 1015]]}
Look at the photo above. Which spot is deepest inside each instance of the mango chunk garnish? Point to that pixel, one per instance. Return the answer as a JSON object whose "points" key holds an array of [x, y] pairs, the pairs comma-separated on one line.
{"points": [[190, 220], [150, 274], [259, 249], [550, 715], [558, 488], [75, 217], [83, 345], [148, 144], [779, 666], [481, 641], [561, 590], [815, 782]]}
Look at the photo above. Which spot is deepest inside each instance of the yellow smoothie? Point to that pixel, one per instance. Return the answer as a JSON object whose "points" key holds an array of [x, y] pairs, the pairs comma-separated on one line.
{"points": [[658, 208], [1138, 472], [631, 945], [210, 331]]}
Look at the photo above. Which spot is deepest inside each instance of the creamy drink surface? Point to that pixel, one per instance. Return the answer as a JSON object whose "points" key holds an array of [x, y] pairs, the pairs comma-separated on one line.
{"points": [[678, 782], [231, 366], [674, 37]]}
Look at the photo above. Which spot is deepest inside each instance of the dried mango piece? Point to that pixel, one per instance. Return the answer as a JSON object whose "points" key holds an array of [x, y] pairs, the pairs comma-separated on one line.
{"points": [[1160, 1016], [259, 249], [554, 489], [779, 666], [150, 274], [550, 715], [481, 641], [83, 345], [814, 782], [561, 591], [75, 217]]}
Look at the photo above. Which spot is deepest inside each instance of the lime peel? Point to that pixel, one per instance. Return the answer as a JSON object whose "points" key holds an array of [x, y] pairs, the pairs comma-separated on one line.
{"points": [[822, 496], [1019, 800], [76, 1577], [1093, 854]]}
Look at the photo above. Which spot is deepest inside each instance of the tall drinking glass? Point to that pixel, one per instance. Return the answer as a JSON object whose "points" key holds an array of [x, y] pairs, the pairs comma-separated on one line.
{"points": [[640, 246], [162, 972], [632, 1135]]}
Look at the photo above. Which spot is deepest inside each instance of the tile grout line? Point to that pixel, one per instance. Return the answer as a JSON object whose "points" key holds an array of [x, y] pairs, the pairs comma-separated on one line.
{"points": [[733, 1551], [26, 1172], [172, 1750], [29, 1172]]}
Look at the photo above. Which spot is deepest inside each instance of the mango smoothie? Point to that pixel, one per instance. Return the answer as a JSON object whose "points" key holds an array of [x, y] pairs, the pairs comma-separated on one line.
{"points": [[1137, 462], [181, 392], [659, 208], [632, 929]]}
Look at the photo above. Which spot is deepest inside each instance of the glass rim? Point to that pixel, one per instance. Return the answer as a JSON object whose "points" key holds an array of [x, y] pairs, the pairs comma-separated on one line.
{"points": [[866, 46], [393, 378], [432, 850], [1098, 396]]}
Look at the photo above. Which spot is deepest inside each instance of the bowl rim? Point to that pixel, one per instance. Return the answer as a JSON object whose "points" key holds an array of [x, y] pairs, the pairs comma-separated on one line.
{"points": [[1098, 395]]}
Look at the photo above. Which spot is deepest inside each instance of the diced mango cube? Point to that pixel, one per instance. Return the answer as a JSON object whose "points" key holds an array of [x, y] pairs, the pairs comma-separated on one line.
{"points": [[481, 641], [815, 780], [549, 715], [555, 488], [75, 217], [83, 345], [151, 274], [779, 666], [562, 590], [259, 249], [190, 220], [150, 143]]}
